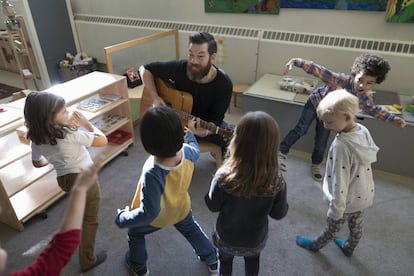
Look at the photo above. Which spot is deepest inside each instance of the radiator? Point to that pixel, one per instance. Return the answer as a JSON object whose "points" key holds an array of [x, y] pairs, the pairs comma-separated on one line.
{"points": [[248, 53]]}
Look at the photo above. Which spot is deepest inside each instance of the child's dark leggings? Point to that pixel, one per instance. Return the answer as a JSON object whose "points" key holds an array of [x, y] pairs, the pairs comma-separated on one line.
{"points": [[251, 264]]}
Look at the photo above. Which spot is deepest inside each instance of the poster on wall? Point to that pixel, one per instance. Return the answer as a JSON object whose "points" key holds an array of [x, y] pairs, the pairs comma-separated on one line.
{"points": [[242, 6], [365, 5], [400, 11]]}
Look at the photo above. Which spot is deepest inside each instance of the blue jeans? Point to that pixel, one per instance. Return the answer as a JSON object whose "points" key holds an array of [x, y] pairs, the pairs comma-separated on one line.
{"points": [[321, 133], [188, 227]]}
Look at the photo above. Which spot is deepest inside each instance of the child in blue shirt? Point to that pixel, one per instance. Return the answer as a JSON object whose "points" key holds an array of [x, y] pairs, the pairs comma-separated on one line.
{"points": [[161, 198]]}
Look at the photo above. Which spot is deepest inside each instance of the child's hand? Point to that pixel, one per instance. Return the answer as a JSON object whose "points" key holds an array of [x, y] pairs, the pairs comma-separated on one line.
{"points": [[194, 126], [399, 122], [191, 125], [80, 119], [126, 209], [288, 66], [89, 175]]}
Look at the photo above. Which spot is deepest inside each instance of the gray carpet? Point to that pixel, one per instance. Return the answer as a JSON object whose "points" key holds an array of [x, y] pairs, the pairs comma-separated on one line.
{"points": [[386, 247]]}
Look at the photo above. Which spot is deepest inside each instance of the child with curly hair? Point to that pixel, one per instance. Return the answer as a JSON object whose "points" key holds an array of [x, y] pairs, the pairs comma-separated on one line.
{"points": [[367, 70]]}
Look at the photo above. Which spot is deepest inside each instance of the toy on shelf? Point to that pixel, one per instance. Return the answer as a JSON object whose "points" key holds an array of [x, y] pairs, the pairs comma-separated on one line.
{"points": [[92, 104], [119, 137], [298, 84]]}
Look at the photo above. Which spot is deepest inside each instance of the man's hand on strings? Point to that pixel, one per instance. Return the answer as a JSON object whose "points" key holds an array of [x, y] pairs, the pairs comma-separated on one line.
{"points": [[194, 126]]}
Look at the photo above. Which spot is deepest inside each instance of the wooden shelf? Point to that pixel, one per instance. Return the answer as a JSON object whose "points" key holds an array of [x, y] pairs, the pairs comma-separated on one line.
{"points": [[20, 174], [11, 149], [37, 197], [111, 150]]}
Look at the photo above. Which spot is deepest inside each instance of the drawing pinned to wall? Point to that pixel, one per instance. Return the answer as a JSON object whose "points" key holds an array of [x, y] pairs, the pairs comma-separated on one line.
{"points": [[242, 6], [365, 5], [400, 11], [220, 51]]}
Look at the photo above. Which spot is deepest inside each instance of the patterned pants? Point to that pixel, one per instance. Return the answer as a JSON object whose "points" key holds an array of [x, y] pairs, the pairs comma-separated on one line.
{"points": [[355, 225]]}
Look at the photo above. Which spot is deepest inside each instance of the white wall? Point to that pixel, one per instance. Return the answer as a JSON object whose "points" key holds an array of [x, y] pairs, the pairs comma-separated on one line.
{"points": [[361, 24], [351, 23]]}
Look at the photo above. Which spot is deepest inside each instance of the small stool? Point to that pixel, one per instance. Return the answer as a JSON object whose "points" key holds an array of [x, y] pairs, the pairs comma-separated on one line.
{"points": [[238, 89], [210, 147]]}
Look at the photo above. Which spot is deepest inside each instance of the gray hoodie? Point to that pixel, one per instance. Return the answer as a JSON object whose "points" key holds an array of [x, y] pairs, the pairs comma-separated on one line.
{"points": [[348, 184]]}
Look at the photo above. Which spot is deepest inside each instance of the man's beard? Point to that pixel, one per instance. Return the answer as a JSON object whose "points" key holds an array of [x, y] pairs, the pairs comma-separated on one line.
{"points": [[197, 74]]}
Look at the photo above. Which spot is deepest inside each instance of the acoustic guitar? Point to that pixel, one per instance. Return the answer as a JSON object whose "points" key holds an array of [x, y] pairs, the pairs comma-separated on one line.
{"points": [[182, 103]]}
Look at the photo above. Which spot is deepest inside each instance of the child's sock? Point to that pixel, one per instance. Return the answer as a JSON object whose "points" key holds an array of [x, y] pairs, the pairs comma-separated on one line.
{"points": [[340, 242], [306, 243]]}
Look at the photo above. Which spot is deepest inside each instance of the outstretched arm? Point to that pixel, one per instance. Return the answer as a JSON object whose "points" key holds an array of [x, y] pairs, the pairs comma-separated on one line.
{"points": [[289, 66], [398, 121], [149, 83]]}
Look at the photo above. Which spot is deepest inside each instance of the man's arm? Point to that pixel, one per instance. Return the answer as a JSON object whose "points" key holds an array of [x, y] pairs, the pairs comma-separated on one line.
{"points": [[149, 83]]}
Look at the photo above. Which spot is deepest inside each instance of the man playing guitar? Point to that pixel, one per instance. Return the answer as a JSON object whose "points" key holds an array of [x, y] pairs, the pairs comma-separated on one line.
{"points": [[210, 87]]}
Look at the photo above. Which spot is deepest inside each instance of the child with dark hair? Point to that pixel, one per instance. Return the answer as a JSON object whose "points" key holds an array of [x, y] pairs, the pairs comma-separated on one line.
{"points": [[348, 184], [63, 142], [247, 189], [367, 70], [161, 198]]}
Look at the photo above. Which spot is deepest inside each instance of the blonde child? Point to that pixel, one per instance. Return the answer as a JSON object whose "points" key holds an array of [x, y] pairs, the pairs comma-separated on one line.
{"points": [[348, 183], [246, 190]]}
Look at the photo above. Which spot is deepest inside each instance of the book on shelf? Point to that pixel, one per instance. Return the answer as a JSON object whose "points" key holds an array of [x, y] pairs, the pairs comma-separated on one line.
{"points": [[92, 104], [110, 97], [107, 121], [119, 137]]}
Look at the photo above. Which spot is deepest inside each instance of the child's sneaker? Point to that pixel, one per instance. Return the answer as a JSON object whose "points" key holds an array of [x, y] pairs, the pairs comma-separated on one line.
{"points": [[340, 242], [143, 271], [316, 172], [214, 268], [282, 161], [306, 243]]}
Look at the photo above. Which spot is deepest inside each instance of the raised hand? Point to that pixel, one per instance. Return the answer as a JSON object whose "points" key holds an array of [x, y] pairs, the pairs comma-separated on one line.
{"points": [[399, 122], [288, 66]]}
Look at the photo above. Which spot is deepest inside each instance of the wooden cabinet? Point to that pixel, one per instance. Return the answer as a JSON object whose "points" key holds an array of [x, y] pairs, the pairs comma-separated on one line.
{"points": [[26, 191], [7, 60]]}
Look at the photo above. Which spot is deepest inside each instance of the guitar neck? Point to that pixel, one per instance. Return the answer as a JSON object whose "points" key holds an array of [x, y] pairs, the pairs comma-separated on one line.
{"points": [[184, 115]]}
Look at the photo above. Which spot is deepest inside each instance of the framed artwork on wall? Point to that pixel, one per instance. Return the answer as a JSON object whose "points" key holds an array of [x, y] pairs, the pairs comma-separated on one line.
{"points": [[365, 5], [400, 11], [242, 6]]}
